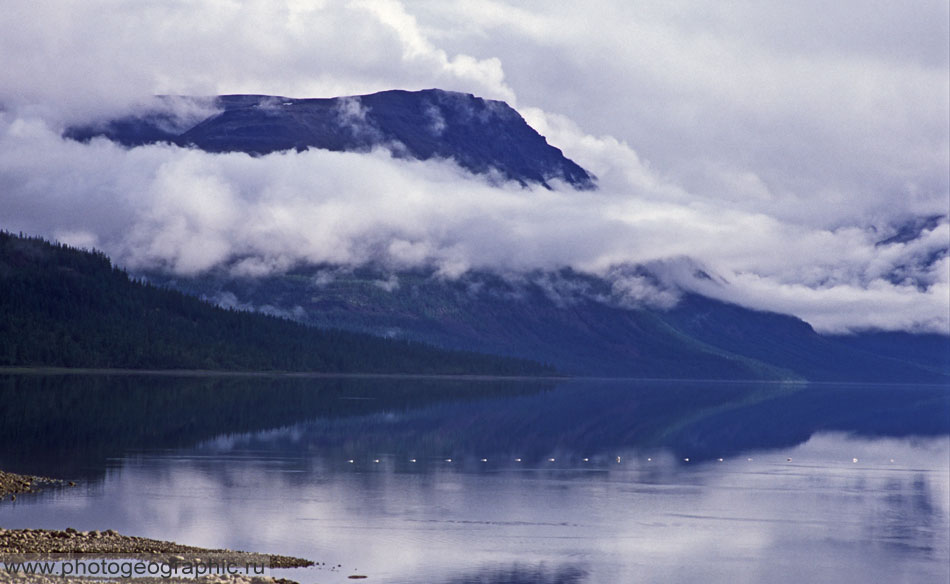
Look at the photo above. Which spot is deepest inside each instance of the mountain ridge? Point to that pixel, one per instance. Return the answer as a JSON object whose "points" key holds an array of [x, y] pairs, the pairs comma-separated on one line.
{"points": [[482, 136]]}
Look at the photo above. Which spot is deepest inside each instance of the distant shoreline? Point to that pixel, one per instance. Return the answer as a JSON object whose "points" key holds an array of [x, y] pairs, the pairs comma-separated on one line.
{"points": [[209, 373], [285, 374]]}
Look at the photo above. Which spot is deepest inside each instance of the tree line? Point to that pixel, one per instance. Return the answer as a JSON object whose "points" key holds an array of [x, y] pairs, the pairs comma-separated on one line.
{"points": [[65, 307]]}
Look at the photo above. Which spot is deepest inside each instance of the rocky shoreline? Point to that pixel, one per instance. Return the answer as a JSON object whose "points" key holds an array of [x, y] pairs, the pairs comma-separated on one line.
{"points": [[12, 484], [38, 545], [16, 578], [108, 543]]}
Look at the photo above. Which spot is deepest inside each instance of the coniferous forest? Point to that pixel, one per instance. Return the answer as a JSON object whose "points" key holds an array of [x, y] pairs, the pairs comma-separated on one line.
{"points": [[64, 307]]}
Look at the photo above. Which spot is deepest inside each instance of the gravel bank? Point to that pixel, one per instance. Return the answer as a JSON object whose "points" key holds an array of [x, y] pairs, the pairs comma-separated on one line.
{"points": [[10, 578], [109, 543], [55, 545], [12, 484]]}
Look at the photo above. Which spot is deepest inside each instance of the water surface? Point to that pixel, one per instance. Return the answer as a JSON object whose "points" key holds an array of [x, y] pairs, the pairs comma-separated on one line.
{"points": [[500, 482]]}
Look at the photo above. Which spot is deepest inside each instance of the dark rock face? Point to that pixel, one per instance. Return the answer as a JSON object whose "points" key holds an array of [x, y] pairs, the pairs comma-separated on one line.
{"points": [[481, 135]]}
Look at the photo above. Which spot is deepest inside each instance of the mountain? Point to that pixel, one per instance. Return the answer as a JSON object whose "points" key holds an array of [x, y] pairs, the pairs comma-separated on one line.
{"points": [[573, 320], [791, 343], [481, 135], [928, 350], [69, 308], [576, 321]]}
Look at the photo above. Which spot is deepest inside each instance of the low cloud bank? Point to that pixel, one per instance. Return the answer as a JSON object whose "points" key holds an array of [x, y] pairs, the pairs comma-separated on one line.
{"points": [[186, 211]]}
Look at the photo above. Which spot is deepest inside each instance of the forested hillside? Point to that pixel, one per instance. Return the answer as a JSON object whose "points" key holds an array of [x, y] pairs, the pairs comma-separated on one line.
{"points": [[65, 307], [575, 321]]}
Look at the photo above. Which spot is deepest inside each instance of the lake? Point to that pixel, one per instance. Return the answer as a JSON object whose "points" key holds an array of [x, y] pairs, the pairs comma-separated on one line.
{"points": [[499, 481]]}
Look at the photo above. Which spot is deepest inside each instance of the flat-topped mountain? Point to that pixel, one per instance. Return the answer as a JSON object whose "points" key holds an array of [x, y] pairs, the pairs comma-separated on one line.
{"points": [[481, 135]]}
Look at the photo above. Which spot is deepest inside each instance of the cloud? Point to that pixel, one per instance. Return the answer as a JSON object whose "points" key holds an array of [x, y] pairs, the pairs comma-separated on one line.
{"points": [[845, 307], [93, 57], [774, 145], [229, 300], [351, 114], [187, 211], [814, 113]]}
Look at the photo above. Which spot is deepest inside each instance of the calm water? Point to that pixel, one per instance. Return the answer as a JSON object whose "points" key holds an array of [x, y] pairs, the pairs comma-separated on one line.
{"points": [[500, 482]]}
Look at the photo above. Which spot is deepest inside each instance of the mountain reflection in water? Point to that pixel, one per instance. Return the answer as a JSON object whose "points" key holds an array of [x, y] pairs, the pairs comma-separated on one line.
{"points": [[71, 424], [500, 482]]}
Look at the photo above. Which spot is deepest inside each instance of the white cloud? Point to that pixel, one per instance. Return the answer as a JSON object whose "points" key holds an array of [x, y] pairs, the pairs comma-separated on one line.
{"points": [[94, 56], [815, 113], [189, 211]]}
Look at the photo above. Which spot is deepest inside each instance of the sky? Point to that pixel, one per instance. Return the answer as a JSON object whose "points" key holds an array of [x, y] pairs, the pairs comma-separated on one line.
{"points": [[770, 144]]}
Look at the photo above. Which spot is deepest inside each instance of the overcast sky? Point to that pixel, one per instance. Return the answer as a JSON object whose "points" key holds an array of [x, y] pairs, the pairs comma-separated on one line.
{"points": [[773, 143]]}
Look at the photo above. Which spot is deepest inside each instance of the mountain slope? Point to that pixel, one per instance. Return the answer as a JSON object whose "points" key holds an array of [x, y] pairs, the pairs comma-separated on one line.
{"points": [[64, 307], [482, 136], [931, 351], [568, 319], [790, 343], [484, 312]]}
